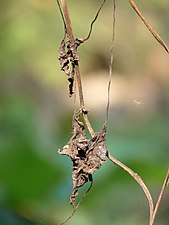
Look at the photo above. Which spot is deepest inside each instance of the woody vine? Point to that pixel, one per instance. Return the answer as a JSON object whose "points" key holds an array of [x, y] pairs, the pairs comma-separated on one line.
{"points": [[88, 155]]}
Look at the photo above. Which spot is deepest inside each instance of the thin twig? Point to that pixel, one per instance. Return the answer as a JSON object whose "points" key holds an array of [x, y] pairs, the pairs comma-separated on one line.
{"points": [[160, 197], [67, 18], [139, 181], [77, 206], [77, 70], [111, 62], [63, 19], [94, 20], [153, 32]]}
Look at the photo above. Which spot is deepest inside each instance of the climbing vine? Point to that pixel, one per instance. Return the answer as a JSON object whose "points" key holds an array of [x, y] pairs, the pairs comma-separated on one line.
{"points": [[88, 155]]}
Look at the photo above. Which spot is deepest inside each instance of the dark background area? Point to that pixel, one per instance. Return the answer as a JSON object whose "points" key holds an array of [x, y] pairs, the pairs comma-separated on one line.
{"points": [[36, 112]]}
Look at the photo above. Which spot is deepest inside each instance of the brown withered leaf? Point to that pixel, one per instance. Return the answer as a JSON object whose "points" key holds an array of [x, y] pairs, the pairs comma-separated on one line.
{"points": [[68, 58], [87, 155]]}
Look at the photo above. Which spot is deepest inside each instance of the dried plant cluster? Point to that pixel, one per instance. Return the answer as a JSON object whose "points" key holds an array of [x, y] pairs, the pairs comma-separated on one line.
{"points": [[88, 155], [68, 59]]}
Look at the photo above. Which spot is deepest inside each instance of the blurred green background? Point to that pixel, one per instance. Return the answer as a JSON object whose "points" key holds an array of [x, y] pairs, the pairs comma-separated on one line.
{"points": [[36, 112]]}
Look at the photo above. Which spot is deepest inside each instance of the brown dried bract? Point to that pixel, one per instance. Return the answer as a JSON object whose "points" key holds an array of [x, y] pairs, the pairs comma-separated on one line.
{"points": [[87, 155], [69, 58]]}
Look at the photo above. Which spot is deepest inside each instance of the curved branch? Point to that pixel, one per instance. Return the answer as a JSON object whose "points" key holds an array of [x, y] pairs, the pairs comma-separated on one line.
{"points": [[153, 32], [139, 181], [75, 208], [94, 20]]}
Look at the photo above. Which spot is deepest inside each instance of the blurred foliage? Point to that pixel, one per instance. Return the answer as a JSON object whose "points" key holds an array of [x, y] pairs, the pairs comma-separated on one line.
{"points": [[35, 116]]}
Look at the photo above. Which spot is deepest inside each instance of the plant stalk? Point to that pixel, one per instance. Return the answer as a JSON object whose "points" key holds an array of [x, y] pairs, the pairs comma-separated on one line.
{"points": [[77, 69]]}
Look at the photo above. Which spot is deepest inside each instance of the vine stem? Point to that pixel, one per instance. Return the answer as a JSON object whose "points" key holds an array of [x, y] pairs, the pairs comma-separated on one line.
{"points": [[77, 70], [153, 32], [139, 181], [160, 196]]}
